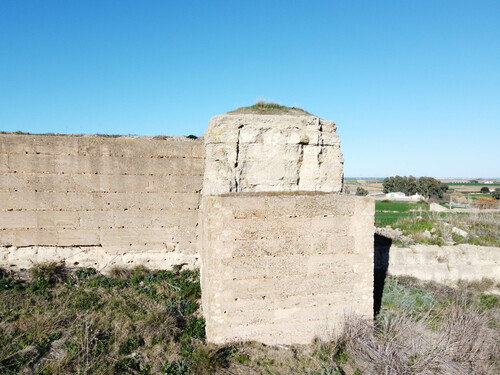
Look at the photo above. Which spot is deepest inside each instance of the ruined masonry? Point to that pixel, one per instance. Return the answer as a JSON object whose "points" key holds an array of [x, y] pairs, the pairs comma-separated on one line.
{"points": [[255, 204]]}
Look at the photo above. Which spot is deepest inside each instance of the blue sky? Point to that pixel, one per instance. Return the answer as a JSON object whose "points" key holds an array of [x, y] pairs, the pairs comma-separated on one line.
{"points": [[414, 86]]}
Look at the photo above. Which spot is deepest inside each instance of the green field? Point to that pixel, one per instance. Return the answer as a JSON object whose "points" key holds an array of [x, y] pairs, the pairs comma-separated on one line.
{"points": [[388, 212]]}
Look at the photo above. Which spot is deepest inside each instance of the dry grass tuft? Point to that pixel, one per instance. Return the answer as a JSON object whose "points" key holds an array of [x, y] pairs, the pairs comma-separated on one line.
{"points": [[420, 331], [462, 343], [50, 271]]}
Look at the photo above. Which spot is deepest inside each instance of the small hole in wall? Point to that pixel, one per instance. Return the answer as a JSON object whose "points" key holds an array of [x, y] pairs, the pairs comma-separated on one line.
{"points": [[76, 263], [225, 312], [263, 297]]}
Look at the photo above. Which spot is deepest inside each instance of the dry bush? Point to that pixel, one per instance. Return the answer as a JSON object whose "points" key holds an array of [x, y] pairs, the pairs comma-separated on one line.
{"points": [[50, 271], [122, 273], [457, 341], [486, 202]]}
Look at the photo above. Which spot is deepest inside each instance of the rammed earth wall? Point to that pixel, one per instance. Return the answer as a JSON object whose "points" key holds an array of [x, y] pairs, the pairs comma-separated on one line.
{"points": [[283, 255], [99, 201], [284, 268]]}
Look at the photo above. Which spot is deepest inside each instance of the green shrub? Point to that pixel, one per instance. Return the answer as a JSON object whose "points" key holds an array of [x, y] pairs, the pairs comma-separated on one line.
{"points": [[361, 191], [195, 328], [180, 367], [131, 344], [85, 273]]}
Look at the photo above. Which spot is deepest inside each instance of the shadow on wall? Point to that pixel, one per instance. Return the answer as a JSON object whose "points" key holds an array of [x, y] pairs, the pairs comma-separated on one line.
{"points": [[381, 264]]}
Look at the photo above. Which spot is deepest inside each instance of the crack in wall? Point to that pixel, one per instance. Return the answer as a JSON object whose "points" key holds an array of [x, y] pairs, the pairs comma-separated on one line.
{"points": [[236, 160], [299, 163]]}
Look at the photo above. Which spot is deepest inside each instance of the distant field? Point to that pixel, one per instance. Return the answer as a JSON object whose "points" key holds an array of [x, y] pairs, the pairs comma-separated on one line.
{"points": [[470, 184], [352, 182], [373, 186], [414, 219], [388, 212], [467, 188]]}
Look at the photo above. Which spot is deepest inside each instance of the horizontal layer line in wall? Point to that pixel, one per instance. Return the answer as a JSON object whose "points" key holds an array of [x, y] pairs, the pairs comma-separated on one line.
{"points": [[107, 155], [273, 217], [258, 238], [341, 269], [291, 302], [191, 191], [30, 172], [174, 211], [330, 296], [97, 227], [345, 298], [297, 254]]}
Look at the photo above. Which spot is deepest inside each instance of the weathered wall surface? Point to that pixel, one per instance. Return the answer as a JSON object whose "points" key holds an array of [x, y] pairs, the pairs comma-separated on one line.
{"points": [[284, 268], [445, 264], [248, 152], [98, 201]]}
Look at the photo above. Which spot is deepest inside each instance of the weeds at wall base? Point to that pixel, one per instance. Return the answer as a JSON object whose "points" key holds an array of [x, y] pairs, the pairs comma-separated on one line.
{"points": [[149, 322]]}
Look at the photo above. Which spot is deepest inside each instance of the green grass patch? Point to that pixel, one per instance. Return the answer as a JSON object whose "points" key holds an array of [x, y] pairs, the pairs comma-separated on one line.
{"points": [[131, 321], [383, 219], [389, 212], [399, 206], [96, 323]]}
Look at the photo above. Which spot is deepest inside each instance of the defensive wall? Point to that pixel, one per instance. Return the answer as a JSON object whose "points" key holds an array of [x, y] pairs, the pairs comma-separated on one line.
{"points": [[95, 201], [285, 267], [256, 205], [446, 264]]}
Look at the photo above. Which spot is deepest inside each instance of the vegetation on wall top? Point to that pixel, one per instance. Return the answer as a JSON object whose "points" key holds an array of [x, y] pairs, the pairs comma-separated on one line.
{"points": [[262, 107]]}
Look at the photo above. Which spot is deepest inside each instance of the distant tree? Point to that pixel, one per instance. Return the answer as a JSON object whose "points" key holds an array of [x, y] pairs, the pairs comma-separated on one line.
{"points": [[426, 186], [411, 186], [429, 186], [399, 183], [496, 193], [473, 181], [485, 190], [388, 184], [362, 192]]}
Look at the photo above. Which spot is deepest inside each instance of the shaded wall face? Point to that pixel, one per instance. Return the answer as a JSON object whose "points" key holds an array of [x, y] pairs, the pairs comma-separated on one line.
{"points": [[99, 201], [284, 268]]}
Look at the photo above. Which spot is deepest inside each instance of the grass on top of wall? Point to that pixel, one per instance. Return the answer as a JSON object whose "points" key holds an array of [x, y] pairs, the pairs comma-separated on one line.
{"points": [[262, 107]]}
